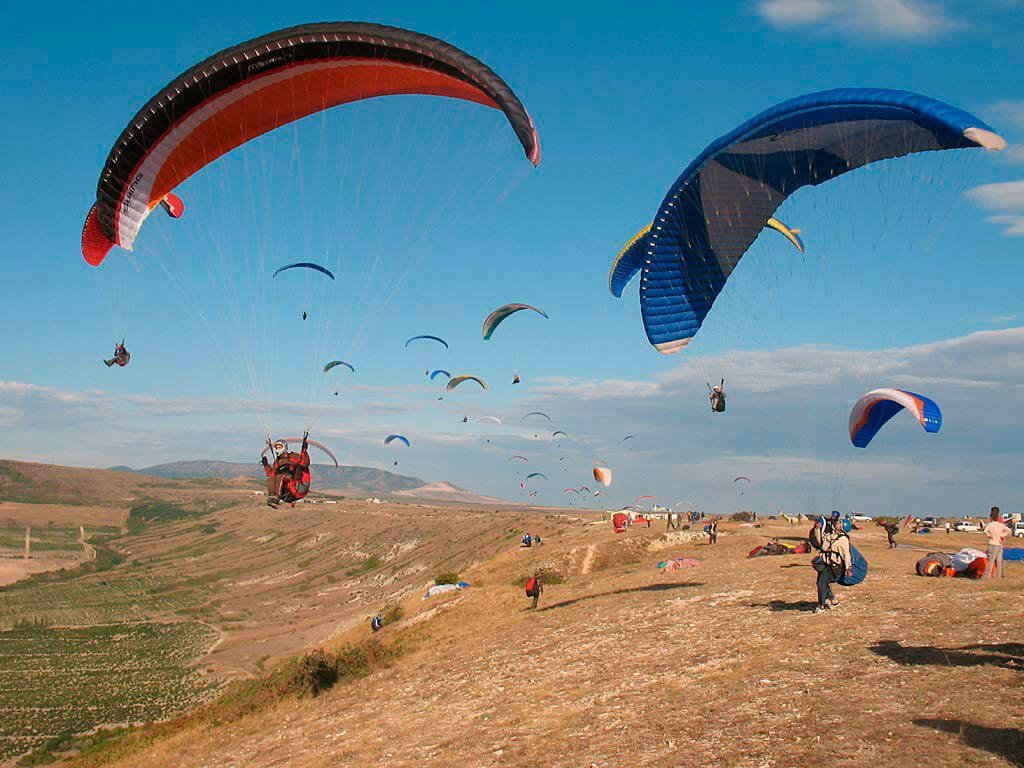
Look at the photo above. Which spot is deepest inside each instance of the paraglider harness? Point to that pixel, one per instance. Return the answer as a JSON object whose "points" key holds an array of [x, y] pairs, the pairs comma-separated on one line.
{"points": [[377, 623], [532, 589], [833, 561], [121, 356], [294, 467], [717, 397]]}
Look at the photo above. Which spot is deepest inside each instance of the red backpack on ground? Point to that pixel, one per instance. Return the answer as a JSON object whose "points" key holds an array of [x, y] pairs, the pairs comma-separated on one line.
{"points": [[531, 586]]}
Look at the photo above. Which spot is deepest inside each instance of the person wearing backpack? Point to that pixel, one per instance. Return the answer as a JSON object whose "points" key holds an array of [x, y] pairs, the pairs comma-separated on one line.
{"points": [[834, 561], [534, 589]]}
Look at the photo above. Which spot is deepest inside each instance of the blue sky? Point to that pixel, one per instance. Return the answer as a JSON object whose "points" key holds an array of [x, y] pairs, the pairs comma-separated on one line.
{"points": [[431, 217]]}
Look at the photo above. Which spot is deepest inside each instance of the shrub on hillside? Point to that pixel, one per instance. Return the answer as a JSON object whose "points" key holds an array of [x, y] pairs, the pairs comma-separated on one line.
{"points": [[743, 517], [451, 577]]}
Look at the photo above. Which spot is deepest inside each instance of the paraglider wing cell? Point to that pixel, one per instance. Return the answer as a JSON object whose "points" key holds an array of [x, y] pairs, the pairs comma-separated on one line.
{"points": [[874, 409], [498, 316], [250, 89], [750, 171]]}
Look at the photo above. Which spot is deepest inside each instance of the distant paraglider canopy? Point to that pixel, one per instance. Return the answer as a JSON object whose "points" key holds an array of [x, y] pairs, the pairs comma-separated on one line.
{"points": [[536, 474], [498, 316], [426, 337], [491, 419], [871, 412], [400, 438], [336, 363], [536, 413], [305, 265], [741, 477], [439, 372], [518, 458], [554, 435], [460, 379], [603, 475]]}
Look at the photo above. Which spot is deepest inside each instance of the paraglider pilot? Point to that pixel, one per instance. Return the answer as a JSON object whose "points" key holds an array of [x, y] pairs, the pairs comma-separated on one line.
{"points": [[717, 397], [288, 478], [377, 623], [121, 356]]}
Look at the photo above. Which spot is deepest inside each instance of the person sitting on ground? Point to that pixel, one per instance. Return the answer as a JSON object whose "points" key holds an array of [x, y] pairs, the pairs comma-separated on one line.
{"points": [[121, 356], [833, 561], [997, 531], [377, 622], [527, 540]]}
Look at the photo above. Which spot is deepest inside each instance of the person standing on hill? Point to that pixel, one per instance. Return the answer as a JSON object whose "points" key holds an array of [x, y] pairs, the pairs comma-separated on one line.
{"points": [[891, 529], [713, 531], [997, 531], [534, 589], [834, 560]]}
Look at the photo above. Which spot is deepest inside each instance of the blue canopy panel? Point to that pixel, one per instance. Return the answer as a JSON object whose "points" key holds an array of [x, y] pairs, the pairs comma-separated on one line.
{"points": [[629, 261], [720, 203]]}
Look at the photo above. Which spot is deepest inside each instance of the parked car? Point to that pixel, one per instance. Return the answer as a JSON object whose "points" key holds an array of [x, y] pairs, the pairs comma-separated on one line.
{"points": [[966, 526], [1018, 530], [861, 518], [929, 522]]}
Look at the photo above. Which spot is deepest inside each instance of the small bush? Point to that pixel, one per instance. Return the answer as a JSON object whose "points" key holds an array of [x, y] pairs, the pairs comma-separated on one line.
{"points": [[743, 517], [369, 564], [393, 613], [451, 577], [548, 575]]}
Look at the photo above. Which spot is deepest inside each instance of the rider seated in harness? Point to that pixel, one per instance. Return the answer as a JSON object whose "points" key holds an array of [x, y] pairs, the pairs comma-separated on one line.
{"points": [[121, 356], [717, 397], [288, 478]]}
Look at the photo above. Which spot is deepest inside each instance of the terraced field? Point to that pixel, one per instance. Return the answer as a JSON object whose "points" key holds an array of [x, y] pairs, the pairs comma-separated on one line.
{"points": [[59, 681], [82, 602]]}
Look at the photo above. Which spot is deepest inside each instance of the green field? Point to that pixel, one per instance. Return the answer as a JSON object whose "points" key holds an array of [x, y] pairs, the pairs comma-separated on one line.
{"points": [[58, 682], [80, 602]]}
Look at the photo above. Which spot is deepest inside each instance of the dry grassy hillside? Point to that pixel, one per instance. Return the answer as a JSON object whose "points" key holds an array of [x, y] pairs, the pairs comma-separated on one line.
{"points": [[720, 665]]}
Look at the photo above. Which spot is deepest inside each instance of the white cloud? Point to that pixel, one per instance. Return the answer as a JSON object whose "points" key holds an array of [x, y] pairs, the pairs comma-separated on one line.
{"points": [[1001, 196], [1013, 154], [880, 19], [1002, 319], [1010, 111], [785, 427], [1013, 225]]}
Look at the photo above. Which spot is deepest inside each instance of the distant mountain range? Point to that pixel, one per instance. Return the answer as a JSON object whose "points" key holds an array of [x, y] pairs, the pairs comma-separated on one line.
{"points": [[354, 481]]}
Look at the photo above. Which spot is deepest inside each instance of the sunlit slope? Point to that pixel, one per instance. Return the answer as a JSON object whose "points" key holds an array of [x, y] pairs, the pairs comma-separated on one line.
{"points": [[719, 665]]}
